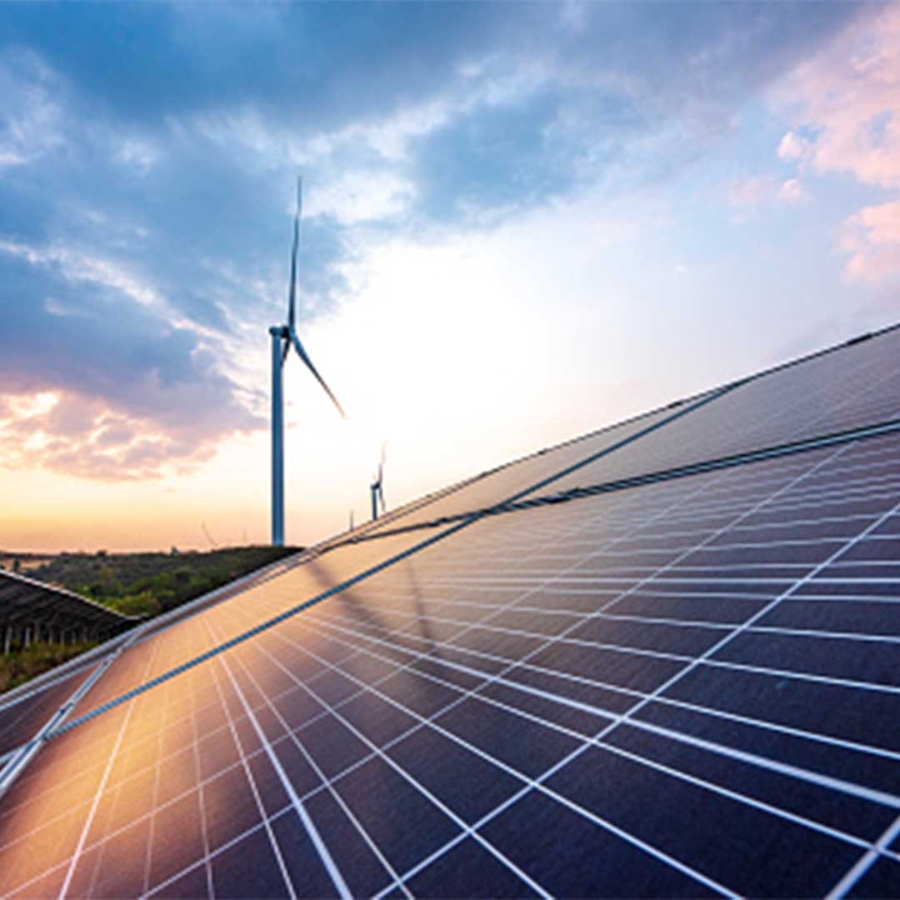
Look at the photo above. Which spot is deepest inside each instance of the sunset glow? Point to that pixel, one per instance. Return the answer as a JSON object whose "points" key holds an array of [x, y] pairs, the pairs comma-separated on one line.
{"points": [[522, 222]]}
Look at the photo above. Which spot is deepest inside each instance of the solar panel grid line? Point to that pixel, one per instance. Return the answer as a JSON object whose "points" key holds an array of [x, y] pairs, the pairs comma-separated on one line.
{"points": [[204, 825], [20, 758], [459, 822], [165, 885], [690, 623], [680, 704], [250, 633], [521, 501], [326, 784], [681, 657], [529, 784], [813, 777], [333, 872], [795, 772], [70, 871], [214, 732], [811, 677], [147, 816], [284, 615], [325, 855], [865, 862], [105, 840]]}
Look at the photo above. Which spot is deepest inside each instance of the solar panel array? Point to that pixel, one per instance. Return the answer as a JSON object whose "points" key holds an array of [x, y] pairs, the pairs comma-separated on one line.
{"points": [[685, 687]]}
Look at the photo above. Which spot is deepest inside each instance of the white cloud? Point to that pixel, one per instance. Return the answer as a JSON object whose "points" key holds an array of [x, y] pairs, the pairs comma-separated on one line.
{"points": [[141, 155], [749, 193], [30, 118], [872, 238], [794, 147], [848, 97], [360, 196], [793, 192], [75, 265]]}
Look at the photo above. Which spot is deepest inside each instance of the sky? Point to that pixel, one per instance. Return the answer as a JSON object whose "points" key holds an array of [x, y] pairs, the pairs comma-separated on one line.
{"points": [[522, 222]]}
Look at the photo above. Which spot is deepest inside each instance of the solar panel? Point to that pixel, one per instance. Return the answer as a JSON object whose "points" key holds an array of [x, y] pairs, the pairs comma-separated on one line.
{"points": [[588, 705], [497, 485], [22, 716], [684, 687], [275, 595], [844, 389], [839, 390]]}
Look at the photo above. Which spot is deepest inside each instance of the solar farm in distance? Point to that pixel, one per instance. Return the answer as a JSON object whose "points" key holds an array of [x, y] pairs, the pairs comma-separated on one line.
{"points": [[659, 660]]}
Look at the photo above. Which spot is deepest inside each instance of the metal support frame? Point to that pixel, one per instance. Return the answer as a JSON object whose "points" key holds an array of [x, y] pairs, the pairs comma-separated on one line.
{"points": [[277, 334]]}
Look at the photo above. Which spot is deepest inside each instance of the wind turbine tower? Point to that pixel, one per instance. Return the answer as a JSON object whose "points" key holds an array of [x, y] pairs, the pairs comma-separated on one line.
{"points": [[283, 338], [376, 490]]}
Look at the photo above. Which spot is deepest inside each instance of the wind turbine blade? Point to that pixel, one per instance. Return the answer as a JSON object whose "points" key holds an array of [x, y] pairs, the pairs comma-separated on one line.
{"points": [[292, 295], [302, 353], [284, 352], [381, 497]]}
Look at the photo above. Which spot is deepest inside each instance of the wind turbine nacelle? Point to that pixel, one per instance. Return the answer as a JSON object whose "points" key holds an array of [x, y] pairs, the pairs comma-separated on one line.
{"points": [[279, 331]]}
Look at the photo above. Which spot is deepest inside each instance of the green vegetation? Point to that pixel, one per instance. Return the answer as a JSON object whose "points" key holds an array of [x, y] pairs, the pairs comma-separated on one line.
{"points": [[23, 665], [135, 584], [145, 584]]}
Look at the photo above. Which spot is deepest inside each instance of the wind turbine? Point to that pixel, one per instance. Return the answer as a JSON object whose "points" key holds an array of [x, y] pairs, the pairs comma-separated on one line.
{"points": [[376, 490], [283, 338]]}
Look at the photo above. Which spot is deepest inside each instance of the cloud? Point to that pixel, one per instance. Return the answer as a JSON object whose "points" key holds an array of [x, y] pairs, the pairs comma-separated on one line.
{"points": [[847, 99], [793, 192], [144, 241], [30, 117], [872, 238], [132, 394], [794, 146], [747, 195]]}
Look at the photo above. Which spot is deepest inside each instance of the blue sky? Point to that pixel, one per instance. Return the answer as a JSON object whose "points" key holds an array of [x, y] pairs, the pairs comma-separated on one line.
{"points": [[522, 221]]}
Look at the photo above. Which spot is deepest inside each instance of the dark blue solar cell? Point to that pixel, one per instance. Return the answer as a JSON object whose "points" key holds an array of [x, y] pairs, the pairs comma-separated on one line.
{"points": [[468, 783], [362, 870], [524, 745], [469, 870], [401, 820], [881, 880], [570, 856], [248, 869]]}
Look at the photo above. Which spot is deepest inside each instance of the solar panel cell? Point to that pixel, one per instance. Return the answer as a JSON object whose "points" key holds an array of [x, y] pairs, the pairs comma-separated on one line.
{"points": [[878, 882]]}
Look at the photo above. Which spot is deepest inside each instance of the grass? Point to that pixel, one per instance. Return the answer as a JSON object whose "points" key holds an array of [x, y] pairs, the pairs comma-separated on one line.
{"points": [[135, 584], [24, 664]]}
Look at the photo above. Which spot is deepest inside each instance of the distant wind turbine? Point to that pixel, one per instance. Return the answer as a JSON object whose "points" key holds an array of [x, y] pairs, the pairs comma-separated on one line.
{"points": [[376, 489], [283, 338]]}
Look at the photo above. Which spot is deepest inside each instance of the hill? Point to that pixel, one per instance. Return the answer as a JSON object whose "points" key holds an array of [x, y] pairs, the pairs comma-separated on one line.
{"points": [[136, 584]]}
